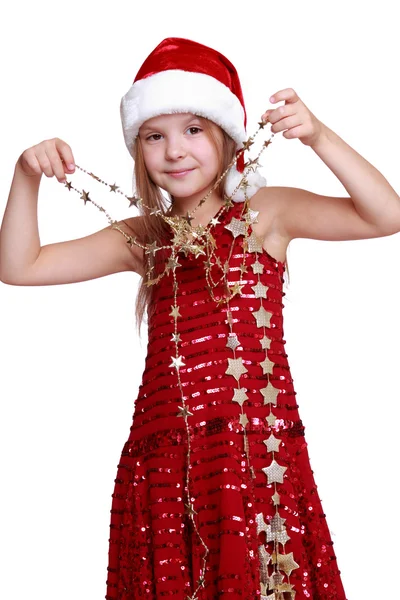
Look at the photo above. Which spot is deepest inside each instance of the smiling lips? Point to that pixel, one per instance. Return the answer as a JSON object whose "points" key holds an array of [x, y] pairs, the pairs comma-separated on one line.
{"points": [[179, 173]]}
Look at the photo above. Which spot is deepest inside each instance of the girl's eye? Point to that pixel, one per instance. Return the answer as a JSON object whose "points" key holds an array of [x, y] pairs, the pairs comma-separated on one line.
{"points": [[153, 135], [195, 128]]}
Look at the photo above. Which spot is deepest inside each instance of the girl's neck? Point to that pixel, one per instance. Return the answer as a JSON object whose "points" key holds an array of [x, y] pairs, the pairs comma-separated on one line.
{"points": [[183, 206]]}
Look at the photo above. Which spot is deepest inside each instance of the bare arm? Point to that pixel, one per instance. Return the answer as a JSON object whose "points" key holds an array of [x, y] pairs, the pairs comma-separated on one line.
{"points": [[24, 262]]}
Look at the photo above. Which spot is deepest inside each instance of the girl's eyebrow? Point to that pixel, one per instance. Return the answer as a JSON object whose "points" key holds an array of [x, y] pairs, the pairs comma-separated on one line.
{"points": [[148, 128]]}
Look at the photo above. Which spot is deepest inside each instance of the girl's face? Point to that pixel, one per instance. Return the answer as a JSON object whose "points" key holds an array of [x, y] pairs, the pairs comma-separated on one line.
{"points": [[179, 155]]}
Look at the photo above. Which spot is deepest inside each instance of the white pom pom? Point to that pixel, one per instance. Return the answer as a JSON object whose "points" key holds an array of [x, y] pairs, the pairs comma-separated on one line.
{"points": [[233, 178]]}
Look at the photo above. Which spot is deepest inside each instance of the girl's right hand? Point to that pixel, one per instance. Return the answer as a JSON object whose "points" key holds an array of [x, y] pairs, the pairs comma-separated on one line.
{"points": [[52, 157]]}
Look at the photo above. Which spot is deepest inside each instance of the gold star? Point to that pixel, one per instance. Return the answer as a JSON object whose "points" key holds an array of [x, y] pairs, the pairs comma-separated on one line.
{"points": [[270, 393], [177, 362], [248, 143], [236, 289], [267, 366], [240, 396], [172, 262], [237, 227], [68, 185], [257, 267], [236, 367], [175, 312], [254, 244], [196, 250], [274, 472], [280, 536], [190, 510], [277, 523], [275, 580], [243, 420], [263, 317], [155, 211], [262, 124], [233, 341], [151, 248], [287, 563], [271, 419], [243, 268], [188, 219], [252, 165], [201, 581], [85, 197], [184, 411], [175, 337], [260, 290], [267, 143], [272, 443], [214, 221], [265, 342], [94, 177], [133, 201], [251, 216], [276, 499], [114, 187], [244, 183], [286, 587]]}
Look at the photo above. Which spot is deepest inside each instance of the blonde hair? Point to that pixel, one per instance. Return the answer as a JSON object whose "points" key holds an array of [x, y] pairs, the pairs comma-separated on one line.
{"points": [[150, 228]]}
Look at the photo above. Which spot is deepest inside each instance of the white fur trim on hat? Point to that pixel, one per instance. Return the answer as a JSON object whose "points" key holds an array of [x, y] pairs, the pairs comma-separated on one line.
{"points": [[177, 91], [233, 178]]}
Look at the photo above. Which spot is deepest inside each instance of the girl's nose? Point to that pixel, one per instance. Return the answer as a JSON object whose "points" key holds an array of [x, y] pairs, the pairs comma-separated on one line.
{"points": [[175, 149]]}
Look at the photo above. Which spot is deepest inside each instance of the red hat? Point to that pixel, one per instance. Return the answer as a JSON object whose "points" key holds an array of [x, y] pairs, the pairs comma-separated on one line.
{"points": [[179, 76]]}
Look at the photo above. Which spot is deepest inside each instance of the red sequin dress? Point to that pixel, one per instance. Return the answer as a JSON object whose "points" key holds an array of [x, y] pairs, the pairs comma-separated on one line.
{"points": [[154, 552]]}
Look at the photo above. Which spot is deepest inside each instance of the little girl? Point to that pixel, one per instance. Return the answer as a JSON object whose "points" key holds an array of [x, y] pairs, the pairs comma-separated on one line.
{"points": [[214, 495]]}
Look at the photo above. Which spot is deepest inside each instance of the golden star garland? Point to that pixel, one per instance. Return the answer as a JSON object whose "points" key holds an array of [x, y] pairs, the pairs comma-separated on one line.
{"points": [[200, 241]]}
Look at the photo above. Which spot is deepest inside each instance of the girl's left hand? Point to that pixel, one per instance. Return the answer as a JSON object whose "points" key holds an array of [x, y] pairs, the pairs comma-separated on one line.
{"points": [[298, 121]]}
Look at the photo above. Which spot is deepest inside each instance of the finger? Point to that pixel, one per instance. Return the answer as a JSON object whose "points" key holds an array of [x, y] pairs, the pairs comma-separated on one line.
{"points": [[288, 95], [56, 164], [44, 161], [66, 155]]}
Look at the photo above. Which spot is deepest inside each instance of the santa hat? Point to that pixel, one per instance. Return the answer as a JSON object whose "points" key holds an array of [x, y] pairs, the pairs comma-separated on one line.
{"points": [[179, 76]]}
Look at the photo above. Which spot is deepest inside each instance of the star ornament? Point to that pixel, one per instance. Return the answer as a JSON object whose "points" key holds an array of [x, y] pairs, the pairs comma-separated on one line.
{"points": [[260, 290], [152, 249], [270, 394], [85, 197], [267, 366], [190, 510], [243, 420], [177, 362], [175, 311], [254, 244], [240, 396], [272, 443], [274, 472], [233, 341], [265, 343], [184, 412], [236, 367], [287, 563], [257, 267], [237, 227], [263, 317]]}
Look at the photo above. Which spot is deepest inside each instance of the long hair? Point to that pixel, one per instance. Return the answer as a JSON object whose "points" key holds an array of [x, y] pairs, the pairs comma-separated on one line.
{"points": [[151, 228]]}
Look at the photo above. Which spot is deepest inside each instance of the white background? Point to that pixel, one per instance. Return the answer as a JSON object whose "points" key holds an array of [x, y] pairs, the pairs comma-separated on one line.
{"points": [[71, 358]]}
